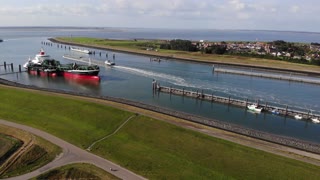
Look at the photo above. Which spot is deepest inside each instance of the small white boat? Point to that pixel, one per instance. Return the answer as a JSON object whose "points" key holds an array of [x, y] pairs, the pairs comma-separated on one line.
{"points": [[275, 111], [298, 116], [315, 120], [86, 51], [109, 63], [254, 108]]}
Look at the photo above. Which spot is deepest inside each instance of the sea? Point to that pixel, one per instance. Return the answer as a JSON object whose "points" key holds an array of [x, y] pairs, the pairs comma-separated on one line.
{"points": [[132, 76]]}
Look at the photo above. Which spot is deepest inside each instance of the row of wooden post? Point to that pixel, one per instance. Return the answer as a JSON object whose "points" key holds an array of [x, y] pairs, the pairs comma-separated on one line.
{"points": [[155, 85], [93, 52], [11, 65]]}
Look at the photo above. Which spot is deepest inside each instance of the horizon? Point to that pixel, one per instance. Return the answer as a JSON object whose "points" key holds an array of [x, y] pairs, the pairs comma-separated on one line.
{"points": [[273, 15], [191, 29]]}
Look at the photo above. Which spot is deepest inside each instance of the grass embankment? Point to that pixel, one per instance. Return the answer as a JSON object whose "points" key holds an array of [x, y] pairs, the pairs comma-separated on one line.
{"points": [[139, 46], [77, 171], [152, 148], [35, 153], [8, 145]]}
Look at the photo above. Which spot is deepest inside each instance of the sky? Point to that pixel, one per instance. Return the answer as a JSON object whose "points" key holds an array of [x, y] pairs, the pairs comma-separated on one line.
{"points": [[284, 15]]}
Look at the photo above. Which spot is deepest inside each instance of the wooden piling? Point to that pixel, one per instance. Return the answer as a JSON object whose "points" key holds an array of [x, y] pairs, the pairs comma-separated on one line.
{"points": [[19, 68], [266, 106], [227, 100], [12, 67], [5, 65]]}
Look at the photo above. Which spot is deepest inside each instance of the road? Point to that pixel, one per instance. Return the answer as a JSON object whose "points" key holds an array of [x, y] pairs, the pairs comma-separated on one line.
{"points": [[70, 154]]}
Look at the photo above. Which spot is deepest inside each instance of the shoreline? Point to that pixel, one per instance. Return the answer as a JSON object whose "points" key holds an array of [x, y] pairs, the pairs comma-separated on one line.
{"points": [[175, 57], [297, 144]]}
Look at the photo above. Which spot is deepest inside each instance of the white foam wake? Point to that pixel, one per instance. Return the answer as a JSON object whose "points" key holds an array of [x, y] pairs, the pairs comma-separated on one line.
{"points": [[155, 75]]}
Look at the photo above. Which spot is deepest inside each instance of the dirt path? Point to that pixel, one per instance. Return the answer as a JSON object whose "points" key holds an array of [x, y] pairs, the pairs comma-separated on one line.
{"points": [[90, 147], [71, 154]]}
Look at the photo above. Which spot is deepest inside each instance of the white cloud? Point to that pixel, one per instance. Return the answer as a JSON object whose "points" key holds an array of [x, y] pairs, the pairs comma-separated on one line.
{"points": [[294, 8], [224, 14], [236, 4]]}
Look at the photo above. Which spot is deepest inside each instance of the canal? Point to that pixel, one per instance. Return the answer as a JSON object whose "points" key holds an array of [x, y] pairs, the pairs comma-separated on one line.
{"points": [[132, 77]]}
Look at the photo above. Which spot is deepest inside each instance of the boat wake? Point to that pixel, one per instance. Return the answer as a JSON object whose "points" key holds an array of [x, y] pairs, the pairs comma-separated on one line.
{"points": [[155, 75], [220, 89]]}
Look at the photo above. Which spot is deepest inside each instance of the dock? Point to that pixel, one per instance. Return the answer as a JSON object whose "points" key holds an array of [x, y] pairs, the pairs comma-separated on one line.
{"points": [[231, 101]]}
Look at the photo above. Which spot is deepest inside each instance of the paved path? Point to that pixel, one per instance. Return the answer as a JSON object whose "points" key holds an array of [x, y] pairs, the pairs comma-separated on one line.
{"points": [[71, 154]]}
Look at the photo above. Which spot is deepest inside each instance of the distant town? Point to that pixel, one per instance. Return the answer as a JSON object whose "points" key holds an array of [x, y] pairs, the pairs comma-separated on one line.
{"points": [[279, 49]]}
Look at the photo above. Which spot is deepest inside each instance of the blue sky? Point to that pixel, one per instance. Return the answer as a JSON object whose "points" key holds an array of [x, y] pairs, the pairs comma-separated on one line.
{"points": [[290, 15]]}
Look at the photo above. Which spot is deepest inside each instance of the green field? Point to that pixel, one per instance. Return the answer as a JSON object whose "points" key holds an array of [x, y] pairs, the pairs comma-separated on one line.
{"points": [[77, 171], [149, 147]]}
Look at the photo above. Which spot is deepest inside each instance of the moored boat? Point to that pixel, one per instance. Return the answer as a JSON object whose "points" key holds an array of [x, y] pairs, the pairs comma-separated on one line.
{"points": [[86, 51], [315, 120], [254, 108], [298, 116], [275, 111]]}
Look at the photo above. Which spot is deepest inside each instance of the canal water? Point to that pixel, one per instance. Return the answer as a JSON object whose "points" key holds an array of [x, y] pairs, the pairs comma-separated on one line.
{"points": [[132, 76]]}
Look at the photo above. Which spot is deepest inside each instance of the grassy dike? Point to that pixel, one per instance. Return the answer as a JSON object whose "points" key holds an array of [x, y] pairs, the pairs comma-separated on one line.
{"points": [[76, 171], [39, 153], [139, 47], [152, 148]]}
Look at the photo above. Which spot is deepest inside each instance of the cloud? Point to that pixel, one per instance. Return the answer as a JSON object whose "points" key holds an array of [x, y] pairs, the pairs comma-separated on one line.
{"points": [[259, 14], [294, 9], [237, 4]]}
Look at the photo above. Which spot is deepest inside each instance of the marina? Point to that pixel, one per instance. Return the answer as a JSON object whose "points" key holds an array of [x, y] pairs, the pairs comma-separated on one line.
{"points": [[257, 107]]}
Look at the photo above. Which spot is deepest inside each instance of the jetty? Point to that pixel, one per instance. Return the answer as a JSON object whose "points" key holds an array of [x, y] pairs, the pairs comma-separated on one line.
{"points": [[281, 76], [283, 111]]}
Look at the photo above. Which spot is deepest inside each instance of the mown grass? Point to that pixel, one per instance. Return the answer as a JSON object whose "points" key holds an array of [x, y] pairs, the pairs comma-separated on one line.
{"points": [[79, 122], [134, 44], [77, 171], [152, 148], [139, 46], [159, 150]]}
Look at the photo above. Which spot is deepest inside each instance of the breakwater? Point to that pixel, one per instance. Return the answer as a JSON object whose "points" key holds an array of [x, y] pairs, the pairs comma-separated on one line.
{"points": [[282, 140], [231, 101], [265, 75]]}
